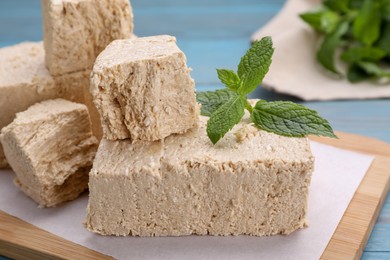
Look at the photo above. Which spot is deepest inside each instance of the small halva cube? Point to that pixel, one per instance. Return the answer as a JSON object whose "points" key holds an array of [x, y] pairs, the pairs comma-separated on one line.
{"points": [[50, 147], [143, 90], [252, 182], [76, 31], [24, 80]]}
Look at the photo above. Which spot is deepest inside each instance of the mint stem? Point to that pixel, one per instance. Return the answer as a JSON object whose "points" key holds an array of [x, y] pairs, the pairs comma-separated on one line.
{"points": [[248, 107]]}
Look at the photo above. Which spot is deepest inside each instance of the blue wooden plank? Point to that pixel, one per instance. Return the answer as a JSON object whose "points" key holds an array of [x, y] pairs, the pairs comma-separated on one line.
{"points": [[375, 256], [202, 3], [204, 56], [385, 213], [20, 21], [212, 24], [367, 117], [379, 239]]}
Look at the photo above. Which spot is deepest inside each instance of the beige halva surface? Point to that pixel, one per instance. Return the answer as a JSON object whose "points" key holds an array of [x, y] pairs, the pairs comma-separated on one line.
{"points": [[76, 31], [252, 182], [143, 90], [24, 80], [50, 147]]}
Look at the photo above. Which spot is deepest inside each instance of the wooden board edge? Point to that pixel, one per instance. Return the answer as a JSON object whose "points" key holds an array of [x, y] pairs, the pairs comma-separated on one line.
{"points": [[40, 244], [356, 143], [354, 229], [13, 243]]}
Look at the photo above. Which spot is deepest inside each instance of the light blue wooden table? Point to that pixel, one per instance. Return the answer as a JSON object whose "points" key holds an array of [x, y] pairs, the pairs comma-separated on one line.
{"points": [[213, 34]]}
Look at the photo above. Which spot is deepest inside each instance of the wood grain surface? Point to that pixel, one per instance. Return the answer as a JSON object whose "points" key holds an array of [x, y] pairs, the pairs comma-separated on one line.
{"points": [[21, 240], [215, 34], [355, 227]]}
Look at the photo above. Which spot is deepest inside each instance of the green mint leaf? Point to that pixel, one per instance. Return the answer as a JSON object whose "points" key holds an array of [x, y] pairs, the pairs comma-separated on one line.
{"points": [[373, 69], [356, 74], [289, 119], [313, 19], [385, 9], [229, 78], [255, 64], [384, 41], [337, 5], [212, 100], [225, 118], [329, 21], [367, 24], [356, 4], [323, 20], [327, 50], [356, 54]]}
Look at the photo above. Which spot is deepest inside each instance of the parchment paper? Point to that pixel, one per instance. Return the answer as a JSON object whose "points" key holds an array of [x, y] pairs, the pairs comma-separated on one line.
{"points": [[294, 69], [337, 175]]}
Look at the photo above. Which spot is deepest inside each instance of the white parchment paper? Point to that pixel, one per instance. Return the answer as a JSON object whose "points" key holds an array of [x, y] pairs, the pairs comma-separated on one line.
{"points": [[337, 176], [295, 70]]}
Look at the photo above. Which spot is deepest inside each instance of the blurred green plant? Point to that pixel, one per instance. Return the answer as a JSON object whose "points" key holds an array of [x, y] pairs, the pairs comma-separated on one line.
{"points": [[360, 29]]}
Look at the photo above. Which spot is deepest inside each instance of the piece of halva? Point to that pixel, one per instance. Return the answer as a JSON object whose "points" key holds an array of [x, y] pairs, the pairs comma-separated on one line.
{"points": [[143, 90], [24, 80], [76, 31], [50, 147], [251, 182]]}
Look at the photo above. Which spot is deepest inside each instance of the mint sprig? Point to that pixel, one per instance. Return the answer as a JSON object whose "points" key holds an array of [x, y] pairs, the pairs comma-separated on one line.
{"points": [[226, 107], [359, 30]]}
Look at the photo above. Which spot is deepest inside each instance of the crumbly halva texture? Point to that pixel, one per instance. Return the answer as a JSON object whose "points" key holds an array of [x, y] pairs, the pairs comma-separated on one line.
{"points": [[50, 147], [143, 90], [93, 113], [252, 182], [24, 80], [76, 31]]}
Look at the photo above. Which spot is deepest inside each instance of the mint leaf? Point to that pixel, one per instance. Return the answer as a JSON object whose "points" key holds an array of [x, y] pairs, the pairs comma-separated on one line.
{"points": [[362, 33], [367, 24], [323, 20], [225, 118], [226, 107], [337, 5], [229, 78], [373, 69], [255, 64], [313, 19], [385, 9], [384, 41], [329, 21], [356, 54], [356, 74], [327, 50], [289, 119], [212, 100], [356, 4]]}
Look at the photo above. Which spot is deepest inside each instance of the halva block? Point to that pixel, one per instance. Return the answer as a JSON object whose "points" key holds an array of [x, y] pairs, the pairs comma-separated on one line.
{"points": [[24, 80], [252, 182], [50, 147], [76, 31], [143, 90]]}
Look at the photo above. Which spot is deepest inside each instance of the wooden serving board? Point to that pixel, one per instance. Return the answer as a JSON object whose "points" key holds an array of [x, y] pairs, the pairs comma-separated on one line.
{"points": [[347, 242]]}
